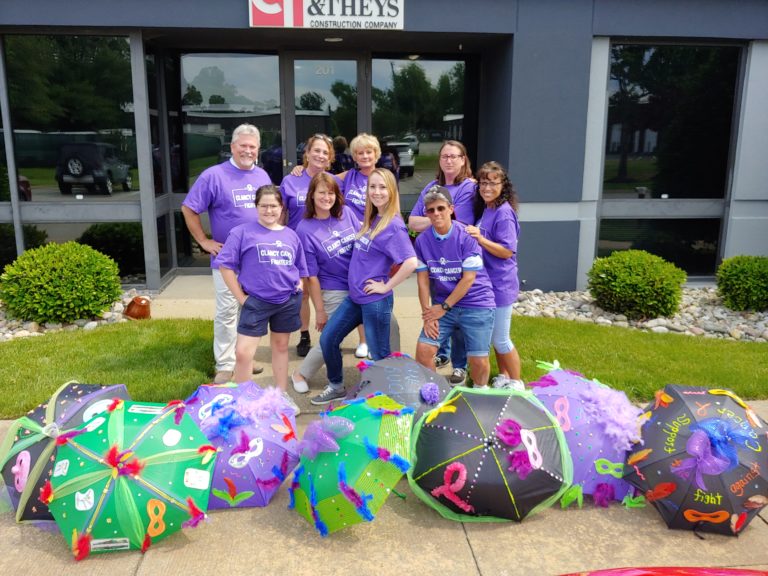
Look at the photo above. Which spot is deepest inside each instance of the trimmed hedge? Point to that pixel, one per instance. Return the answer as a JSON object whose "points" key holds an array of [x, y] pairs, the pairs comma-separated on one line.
{"points": [[636, 284], [742, 282], [60, 283]]}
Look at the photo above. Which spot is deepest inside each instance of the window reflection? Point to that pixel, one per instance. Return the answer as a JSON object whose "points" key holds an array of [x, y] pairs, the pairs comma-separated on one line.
{"points": [[669, 121], [417, 105], [67, 93]]}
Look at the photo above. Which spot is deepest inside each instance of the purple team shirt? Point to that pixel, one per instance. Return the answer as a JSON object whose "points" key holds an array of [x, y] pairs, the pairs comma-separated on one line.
{"points": [[328, 247], [372, 259], [463, 195], [294, 190], [268, 262], [446, 258], [500, 225], [355, 191], [228, 194]]}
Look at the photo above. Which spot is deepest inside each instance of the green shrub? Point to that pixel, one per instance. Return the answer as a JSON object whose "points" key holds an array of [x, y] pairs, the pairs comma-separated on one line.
{"points": [[33, 237], [59, 283], [742, 282], [636, 284], [121, 241]]}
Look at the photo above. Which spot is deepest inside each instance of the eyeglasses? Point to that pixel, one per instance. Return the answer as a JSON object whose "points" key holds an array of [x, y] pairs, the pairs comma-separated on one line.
{"points": [[266, 207], [324, 137], [451, 157], [441, 208], [489, 184]]}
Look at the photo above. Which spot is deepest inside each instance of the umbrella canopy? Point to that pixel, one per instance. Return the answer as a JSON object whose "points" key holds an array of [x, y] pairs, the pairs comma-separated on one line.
{"points": [[130, 477], [600, 425], [489, 455], [26, 455], [351, 460], [704, 459], [404, 380], [255, 433]]}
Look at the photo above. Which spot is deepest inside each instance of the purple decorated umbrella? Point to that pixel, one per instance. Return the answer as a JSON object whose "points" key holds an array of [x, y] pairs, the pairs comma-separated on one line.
{"points": [[600, 425], [255, 432]]}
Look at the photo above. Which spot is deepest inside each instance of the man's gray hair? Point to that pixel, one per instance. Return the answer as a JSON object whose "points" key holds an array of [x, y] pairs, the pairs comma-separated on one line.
{"points": [[436, 193], [246, 130]]}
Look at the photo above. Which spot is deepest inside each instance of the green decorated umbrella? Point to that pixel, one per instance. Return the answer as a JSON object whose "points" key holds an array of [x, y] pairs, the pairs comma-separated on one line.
{"points": [[352, 457], [130, 477], [26, 454]]}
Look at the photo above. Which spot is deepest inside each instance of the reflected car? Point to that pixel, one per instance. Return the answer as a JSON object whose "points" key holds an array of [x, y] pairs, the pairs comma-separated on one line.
{"points": [[92, 165], [406, 157], [413, 140], [225, 153]]}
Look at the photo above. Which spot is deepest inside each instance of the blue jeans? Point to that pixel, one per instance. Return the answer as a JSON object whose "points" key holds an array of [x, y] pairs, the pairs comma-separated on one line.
{"points": [[474, 324], [375, 317]]}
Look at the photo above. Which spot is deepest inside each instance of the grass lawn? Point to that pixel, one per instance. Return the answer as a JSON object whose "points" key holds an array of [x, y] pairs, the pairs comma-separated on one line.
{"points": [[160, 360]]}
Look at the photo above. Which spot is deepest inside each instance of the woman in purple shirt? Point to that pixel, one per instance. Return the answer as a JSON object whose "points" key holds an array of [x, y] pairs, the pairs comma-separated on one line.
{"points": [[327, 233], [262, 264], [496, 231], [382, 241], [318, 157]]}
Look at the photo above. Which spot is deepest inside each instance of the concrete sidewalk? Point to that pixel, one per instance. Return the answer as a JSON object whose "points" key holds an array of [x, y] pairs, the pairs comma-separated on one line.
{"points": [[407, 537]]}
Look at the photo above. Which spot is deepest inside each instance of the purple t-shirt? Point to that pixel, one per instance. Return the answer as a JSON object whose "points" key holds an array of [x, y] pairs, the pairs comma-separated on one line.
{"points": [[268, 262], [446, 258], [228, 194], [372, 259], [500, 225], [294, 190], [328, 247], [355, 191], [463, 196]]}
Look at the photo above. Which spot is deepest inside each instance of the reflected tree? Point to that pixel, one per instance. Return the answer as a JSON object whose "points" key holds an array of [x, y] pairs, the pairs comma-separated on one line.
{"points": [[192, 97], [344, 118], [311, 101]]}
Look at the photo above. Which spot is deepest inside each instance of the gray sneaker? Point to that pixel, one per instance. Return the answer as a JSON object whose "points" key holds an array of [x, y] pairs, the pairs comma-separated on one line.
{"points": [[291, 403], [458, 377], [328, 395]]}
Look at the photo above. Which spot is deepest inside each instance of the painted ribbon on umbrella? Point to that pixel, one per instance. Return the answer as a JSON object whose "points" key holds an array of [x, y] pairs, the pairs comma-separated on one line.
{"points": [[562, 405], [703, 460], [451, 486], [714, 517]]}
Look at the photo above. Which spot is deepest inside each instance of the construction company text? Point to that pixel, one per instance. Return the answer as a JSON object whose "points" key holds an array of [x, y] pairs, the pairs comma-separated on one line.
{"points": [[329, 14]]}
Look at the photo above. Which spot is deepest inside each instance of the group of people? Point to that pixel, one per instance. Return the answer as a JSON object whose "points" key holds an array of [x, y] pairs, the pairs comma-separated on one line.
{"points": [[339, 240]]}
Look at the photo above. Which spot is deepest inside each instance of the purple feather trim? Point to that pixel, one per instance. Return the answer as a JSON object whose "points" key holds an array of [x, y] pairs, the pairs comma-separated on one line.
{"points": [[359, 501], [508, 431], [270, 403], [612, 411], [430, 393], [544, 381], [603, 495], [520, 463]]}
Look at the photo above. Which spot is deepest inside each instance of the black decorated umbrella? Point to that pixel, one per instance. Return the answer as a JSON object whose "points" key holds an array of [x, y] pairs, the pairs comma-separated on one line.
{"points": [[404, 380], [27, 454], [489, 455], [704, 459]]}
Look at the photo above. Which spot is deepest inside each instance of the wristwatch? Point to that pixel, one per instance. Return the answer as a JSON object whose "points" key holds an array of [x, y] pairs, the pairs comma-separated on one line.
{"points": [[445, 306]]}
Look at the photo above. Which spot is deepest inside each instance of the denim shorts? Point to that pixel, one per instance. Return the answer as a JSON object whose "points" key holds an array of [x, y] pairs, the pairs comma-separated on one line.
{"points": [[257, 313], [476, 324]]}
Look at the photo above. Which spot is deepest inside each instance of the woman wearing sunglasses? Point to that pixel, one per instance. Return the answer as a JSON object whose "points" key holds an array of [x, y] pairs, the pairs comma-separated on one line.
{"points": [[382, 242], [496, 231]]}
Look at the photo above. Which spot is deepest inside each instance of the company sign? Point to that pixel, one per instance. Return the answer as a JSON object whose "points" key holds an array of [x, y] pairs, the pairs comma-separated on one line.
{"points": [[329, 14]]}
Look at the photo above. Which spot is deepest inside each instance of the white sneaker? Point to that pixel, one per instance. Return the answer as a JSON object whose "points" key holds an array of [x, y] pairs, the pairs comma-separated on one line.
{"points": [[499, 381], [483, 387], [362, 351], [300, 386], [291, 403], [518, 385], [458, 377]]}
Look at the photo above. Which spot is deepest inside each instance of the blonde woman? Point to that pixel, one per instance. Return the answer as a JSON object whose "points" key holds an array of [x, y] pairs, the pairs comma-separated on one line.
{"points": [[381, 243]]}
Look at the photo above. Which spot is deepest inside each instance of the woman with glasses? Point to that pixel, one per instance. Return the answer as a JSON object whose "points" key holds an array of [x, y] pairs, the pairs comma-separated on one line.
{"points": [[382, 242], [262, 264], [496, 231], [327, 231], [455, 173], [318, 157]]}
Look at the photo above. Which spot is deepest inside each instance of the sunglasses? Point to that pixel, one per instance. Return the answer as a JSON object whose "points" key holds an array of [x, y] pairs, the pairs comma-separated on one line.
{"points": [[441, 208]]}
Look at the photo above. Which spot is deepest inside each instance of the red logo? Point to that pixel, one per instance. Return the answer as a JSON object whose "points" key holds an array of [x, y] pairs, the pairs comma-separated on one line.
{"points": [[276, 13]]}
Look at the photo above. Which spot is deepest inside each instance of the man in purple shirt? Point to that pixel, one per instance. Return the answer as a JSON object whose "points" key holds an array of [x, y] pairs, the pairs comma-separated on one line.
{"points": [[226, 192], [450, 263]]}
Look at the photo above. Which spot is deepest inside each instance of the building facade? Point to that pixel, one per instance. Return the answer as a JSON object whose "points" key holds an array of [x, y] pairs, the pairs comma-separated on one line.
{"points": [[624, 124]]}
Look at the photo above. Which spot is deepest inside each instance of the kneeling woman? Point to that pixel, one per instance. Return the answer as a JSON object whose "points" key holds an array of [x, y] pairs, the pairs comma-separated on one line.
{"points": [[381, 243], [262, 264]]}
